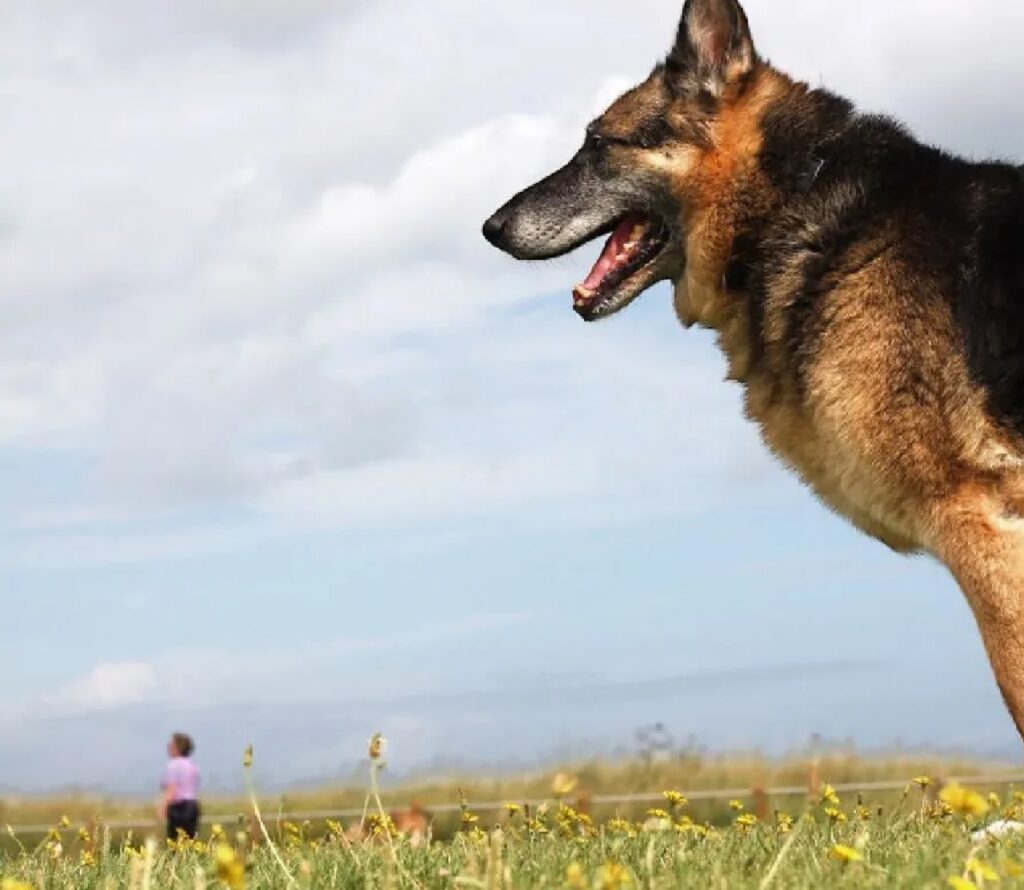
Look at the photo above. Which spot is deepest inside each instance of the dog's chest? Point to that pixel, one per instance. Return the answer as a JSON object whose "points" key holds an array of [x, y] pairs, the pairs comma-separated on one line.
{"points": [[839, 473], [842, 477]]}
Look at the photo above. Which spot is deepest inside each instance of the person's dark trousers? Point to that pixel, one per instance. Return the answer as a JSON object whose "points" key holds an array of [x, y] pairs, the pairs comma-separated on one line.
{"points": [[183, 816]]}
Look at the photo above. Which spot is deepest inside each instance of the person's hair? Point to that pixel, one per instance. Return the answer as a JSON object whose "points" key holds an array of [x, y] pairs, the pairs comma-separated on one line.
{"points": [[183, 744]]}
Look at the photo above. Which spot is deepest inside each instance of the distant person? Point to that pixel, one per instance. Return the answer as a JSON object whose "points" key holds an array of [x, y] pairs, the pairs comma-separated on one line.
{"points": [[179, 807]]}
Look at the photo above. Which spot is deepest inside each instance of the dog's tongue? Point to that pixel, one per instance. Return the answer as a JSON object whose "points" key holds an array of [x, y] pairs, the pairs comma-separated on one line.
{"points": [[614, 248]]}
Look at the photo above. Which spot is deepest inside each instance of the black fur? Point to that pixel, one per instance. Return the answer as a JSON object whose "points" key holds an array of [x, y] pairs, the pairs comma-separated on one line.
{"points": [[849, 179]]}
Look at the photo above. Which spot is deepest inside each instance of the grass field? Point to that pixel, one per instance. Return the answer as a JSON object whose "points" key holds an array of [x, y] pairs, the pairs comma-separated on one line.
{"points": [[829, 845], [918, 837]]}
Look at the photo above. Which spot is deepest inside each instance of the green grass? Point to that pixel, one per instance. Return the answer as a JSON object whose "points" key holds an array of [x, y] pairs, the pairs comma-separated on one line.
{"points": [[912, 843]]}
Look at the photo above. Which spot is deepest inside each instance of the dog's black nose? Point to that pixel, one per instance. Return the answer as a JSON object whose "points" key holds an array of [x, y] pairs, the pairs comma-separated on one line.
{"points": [[494, 226]]}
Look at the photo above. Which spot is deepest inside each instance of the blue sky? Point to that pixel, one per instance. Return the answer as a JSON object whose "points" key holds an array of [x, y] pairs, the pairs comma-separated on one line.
{"points": [[290, 455]]}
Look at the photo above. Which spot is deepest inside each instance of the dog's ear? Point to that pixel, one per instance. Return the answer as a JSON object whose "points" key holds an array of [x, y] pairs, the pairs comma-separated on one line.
{"points": [[713, 46]]}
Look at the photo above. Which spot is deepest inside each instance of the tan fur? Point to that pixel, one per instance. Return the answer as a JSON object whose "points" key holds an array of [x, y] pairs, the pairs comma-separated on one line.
{"points": [[948, 482]]}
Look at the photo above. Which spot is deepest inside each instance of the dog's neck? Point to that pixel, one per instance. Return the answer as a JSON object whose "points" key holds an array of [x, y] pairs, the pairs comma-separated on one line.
{"points": [[789, 145]]}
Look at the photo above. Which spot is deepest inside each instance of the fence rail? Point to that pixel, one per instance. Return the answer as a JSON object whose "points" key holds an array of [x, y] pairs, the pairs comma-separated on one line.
{"points": [[595, 800]]}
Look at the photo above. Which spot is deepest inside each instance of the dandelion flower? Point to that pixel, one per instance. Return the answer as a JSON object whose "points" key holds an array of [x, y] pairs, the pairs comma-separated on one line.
{"points": [[563, 784], [980, 871], [674, 798], [612, 876], [512, 809], [828, 795], [736, 805], [844, 854], [575, 877], [922, 782], [963, 801], [230, 868]]}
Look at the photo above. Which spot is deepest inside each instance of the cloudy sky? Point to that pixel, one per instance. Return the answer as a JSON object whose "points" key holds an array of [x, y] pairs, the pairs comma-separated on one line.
{"points": [[289, 454]]}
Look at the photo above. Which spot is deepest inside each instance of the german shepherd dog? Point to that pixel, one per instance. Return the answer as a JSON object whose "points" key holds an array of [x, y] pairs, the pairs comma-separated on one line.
{"points": [[867, 290]]}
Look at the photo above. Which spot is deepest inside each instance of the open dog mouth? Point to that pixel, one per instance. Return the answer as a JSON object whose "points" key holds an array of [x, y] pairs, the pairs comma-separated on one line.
{"points": [[626, 268]]}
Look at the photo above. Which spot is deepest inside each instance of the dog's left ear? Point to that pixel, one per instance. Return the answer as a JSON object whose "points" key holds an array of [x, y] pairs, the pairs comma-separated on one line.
{"points": [[713, 46]]}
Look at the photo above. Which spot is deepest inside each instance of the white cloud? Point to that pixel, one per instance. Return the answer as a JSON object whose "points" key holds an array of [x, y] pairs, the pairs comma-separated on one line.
{"points": [[215, 678], [106, 686], [241, 253]]}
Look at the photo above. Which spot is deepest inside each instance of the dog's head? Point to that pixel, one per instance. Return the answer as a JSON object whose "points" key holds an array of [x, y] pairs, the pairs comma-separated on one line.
{"points": [[654, 163]]}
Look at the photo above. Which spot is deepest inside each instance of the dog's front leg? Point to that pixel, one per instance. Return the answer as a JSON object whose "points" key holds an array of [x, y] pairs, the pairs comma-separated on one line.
{"points": [[979, 535]]}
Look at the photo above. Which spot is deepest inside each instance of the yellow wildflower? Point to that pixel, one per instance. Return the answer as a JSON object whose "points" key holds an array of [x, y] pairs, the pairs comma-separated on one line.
{"points": [[746, 820], [11, 884], [230, 868], [828, 795], [958, 883], [835, 815], [963, 801], [844, 854], [512, 809], [88, 860], [979, 871], [575, 877], [65, 822], [674, 798], [784, 822], [612, 876], [563, 784], [922, 782]]}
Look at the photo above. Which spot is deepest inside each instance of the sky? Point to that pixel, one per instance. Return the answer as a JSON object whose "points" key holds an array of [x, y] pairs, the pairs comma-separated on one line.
{"points": [[289, 454]]}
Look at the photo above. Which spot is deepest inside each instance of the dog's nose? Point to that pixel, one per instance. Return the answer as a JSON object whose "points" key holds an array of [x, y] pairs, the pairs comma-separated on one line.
{"points": [[494, 227]]}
